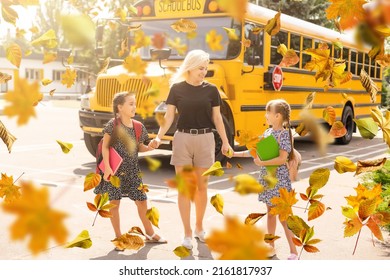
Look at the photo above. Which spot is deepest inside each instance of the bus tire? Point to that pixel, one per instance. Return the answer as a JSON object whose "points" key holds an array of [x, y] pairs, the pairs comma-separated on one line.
{"points": [[347, 120], [91, 143], [218, 141]]}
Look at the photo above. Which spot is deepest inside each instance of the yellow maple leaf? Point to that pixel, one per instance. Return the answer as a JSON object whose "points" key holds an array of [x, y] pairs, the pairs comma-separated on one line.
{"points": [[36, 218], [247, 138], [47, 40], [350, 12], [282, 205], [238, 241], [214, 40], [141, 40], [236, 9], [364, 193], [23, 99], [69, 77], [134, 64], [49, 57], [177, 45], [8, 190]]}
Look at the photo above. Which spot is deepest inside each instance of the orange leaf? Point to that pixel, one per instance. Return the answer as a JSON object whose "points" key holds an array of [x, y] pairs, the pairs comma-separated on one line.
{"points": [[329, 115], [310, 249], [297, 242], [282, 205], [350, 12], [91, 181], [158, 41], [352, 227], [316, 209], [104, 213], [36, 219], [228, 165], [304, 196], [337, 130], [91, 206], [252, 218], [375, 229], [370, 165], [8, 190], [22, 100]]}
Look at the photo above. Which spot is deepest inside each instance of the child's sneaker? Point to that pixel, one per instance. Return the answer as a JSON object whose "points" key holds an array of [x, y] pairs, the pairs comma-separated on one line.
{"points": [[293, 257]]}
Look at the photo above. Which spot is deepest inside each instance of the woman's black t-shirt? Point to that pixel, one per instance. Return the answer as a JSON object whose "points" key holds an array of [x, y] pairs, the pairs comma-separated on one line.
{"points": [[194, 104]]}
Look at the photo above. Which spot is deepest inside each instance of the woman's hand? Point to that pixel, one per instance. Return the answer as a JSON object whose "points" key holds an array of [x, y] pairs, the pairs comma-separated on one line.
{"points": [[107, 173]]}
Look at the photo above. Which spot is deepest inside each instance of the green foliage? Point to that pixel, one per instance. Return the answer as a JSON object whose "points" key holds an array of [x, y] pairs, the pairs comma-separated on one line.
{"points": [[309, 10]]}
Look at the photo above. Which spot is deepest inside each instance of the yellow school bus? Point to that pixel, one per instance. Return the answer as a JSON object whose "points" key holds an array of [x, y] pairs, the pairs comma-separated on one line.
{"points": [[243, 74]]}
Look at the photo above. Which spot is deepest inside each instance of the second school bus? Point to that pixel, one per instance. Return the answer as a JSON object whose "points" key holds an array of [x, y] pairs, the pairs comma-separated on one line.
{"points": [[242, 75]]}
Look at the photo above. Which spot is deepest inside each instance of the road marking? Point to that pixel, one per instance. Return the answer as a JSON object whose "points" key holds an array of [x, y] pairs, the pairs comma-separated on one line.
{"points": [[28, 148]]}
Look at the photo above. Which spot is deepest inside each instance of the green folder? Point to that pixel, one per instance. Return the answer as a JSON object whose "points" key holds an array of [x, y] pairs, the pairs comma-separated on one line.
{"points": [[267, 148]]}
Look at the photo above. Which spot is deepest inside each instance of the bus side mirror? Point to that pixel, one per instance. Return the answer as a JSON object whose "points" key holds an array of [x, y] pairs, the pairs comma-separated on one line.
{"points": [[161, 54], [99, 33], [254, 38], [255, 60]]}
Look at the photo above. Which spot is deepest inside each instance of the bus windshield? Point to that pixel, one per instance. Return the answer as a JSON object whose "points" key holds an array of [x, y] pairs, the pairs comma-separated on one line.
{"points": [[180, 43]]}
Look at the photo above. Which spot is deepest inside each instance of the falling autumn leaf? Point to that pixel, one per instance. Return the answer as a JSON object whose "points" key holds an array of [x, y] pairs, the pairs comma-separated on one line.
{"points": [[319, 178], [101, 206], [4, 78], [309, 100], [134, 64], [270, 238], [47, 40], [290, 57], [282, 205], [143, 188], [51, 92], [153, 164], [136, 230], [49, 57], [8, 190], [383, 123], [231, 32], [182, 252], [14, 54], [228, 165], [338, 129], [140, 40], [6, 136], [273, 25], [115, 181], [253, 218], [158, 40], [215, 170], [178, 45], [350, 12], [185, 182], [369, 85], [316, 209], [129, 242], [91, 181], [370, 165], [65, 147], [383, 60], [247, 138], [246, 184], [104, 66], [343, 164], [329, 115], [22, 100], [217, 201], [214, 40], [238, 241], [9, 14], [36, 218], [368, 128], [81, 241], [184, 25], [46, 82], [153, 216], [69, 77], [78, 30]]}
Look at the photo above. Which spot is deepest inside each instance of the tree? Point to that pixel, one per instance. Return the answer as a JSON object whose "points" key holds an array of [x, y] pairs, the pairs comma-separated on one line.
{"points": [[309, 10]]}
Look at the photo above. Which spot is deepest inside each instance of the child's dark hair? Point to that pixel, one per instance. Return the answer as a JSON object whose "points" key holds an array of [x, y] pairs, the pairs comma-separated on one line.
{"points": [[119, 99], [282, 107]]}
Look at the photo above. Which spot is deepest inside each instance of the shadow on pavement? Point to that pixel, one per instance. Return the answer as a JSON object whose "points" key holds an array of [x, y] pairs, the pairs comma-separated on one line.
{"points": [[142, 254]]}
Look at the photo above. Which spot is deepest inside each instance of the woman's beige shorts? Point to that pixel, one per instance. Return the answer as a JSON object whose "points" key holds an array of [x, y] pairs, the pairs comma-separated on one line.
{"points": [[195, 150]]}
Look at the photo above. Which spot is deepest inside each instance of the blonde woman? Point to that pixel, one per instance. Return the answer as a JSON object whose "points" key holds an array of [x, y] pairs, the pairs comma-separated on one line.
{"points": [[198, 105]]}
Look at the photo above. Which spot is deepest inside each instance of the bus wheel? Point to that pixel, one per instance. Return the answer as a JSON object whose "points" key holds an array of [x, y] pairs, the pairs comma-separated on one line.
{"points": [[347, 120], [91, 143], [218, 141]]}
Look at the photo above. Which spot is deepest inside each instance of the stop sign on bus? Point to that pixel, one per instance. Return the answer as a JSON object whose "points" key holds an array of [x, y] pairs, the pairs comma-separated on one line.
{"points": [[277, 78]]}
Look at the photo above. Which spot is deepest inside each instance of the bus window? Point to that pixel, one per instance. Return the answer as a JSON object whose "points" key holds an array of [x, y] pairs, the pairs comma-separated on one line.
{"points": [[372, 68], [295, 44], [353, 62], [346, 58], [307, 44], [259, 49], [280, 38], [378, 71], [360, 63]]}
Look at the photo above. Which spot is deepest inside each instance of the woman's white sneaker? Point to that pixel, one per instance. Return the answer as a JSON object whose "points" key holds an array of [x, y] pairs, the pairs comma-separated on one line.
{"points": [[187, 242]]}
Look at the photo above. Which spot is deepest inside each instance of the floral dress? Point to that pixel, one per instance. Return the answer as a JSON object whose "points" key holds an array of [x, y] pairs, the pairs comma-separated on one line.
{"points": [[129, 171], [282, 173]]}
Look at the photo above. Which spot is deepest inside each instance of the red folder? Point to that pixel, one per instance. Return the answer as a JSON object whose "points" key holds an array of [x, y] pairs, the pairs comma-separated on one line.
{"points": [[115, 161]]}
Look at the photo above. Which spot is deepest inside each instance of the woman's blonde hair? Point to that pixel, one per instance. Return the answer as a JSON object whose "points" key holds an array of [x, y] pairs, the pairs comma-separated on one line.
{"points": [[193, 60]]}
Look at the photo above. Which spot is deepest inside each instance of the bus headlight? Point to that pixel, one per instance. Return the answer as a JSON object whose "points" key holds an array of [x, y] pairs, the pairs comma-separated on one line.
{"points": [[84, 102]]}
